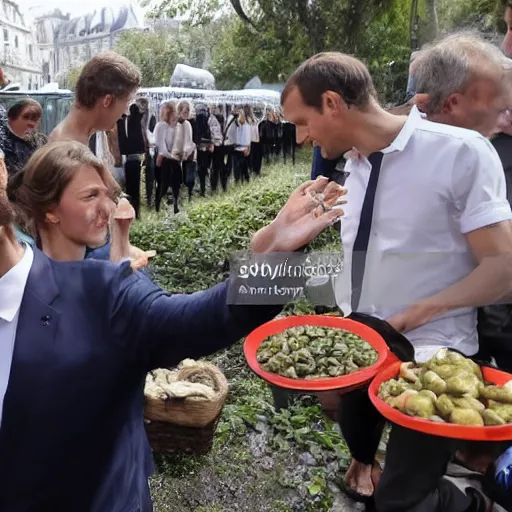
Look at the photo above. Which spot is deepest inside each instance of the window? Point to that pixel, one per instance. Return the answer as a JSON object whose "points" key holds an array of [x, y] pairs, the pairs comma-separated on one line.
{"points": [[16, 42], [31, 52], [6, 35]]}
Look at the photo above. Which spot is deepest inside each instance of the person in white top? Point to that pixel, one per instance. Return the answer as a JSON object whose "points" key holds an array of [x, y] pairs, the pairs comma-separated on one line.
{"points": [[439, 246], [164, 134], [218, 166], [242, 148], [183, 154], [256, 154]]}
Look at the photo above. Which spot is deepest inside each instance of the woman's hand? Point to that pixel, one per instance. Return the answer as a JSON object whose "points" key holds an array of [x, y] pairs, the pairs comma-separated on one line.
{"points": [[312, 207], [159, 160]]}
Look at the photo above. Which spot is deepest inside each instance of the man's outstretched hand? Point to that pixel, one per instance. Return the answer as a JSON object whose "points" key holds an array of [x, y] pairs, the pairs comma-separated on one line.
{"points": [[312, 207]]}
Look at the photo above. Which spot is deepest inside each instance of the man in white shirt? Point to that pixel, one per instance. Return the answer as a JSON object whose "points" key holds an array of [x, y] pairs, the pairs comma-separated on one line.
{"points": [[439, 245]]}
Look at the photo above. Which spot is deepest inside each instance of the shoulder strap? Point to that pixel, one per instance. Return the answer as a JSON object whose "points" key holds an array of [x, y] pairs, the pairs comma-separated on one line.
{"points": [[363, 232], [227, 128]]}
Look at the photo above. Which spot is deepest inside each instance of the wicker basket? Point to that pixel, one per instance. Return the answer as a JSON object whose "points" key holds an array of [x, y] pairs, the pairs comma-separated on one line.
{"points": [[190, 411], [173, 439], [186, 425]]}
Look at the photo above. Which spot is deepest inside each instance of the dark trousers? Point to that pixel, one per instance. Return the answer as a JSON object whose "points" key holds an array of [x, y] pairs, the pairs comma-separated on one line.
{"points": [[149, 173], [267, 151], [218, 170], [204, 161], [229, 152], [256, 157], [175, 181], [415, 462], [163, 181], [132, 175], [189, 176], [288, 149], [240, 167]]}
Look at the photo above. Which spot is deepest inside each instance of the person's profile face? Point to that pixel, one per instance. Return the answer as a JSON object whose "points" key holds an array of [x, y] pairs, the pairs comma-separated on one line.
{"points": [[319, 125], [114, 110]]}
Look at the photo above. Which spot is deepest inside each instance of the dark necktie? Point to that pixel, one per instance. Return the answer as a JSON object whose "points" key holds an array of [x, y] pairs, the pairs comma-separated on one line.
{"points": [[364, 230]]}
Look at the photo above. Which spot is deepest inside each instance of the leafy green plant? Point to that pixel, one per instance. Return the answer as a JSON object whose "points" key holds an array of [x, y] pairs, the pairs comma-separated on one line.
{"points": [[306, 450]]}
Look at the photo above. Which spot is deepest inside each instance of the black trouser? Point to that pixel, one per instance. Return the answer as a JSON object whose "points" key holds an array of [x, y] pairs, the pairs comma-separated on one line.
{"points": [[241, 166], [132, 176], [163, 181], [229, 161], [288, 148], [189, 176], [256, 157], [415, 462], [150, 177], [267, 151], [204, 160], [412, 479], [176, 181], [218, 169]]}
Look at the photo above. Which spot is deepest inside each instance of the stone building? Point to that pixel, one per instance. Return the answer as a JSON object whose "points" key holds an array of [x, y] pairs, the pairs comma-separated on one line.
{"points": [[66, 43], [19, 56]]}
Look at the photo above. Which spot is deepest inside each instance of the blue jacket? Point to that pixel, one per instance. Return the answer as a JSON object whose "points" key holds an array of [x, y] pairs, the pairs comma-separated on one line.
{"points": [[72, 436], [321, 166], [100, 253]]}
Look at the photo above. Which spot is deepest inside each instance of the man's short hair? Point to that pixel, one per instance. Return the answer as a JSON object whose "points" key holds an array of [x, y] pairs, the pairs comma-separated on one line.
{"points": [[332, 71], [106, 73], [448, 66]]}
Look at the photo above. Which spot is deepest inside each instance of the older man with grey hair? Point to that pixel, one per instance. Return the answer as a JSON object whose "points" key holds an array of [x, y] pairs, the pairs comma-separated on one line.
{"points": [[463, 81]]}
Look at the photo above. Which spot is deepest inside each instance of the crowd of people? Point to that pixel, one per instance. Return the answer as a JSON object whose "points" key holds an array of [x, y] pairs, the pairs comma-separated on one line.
{"points": [[427, 244], [192, 146]]}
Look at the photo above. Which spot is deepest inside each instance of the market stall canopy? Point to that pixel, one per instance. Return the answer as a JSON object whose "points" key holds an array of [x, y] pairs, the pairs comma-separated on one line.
{"points": [[187, 76]]}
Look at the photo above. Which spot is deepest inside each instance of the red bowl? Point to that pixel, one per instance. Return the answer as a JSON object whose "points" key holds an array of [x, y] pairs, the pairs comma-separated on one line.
{"points": [[353, 380], [500, 433]]}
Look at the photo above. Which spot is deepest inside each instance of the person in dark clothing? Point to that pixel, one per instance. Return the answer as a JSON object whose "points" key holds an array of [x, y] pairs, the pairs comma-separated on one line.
{"points": [[289, 141], [135, 150], [216, 124], [322, 166], [494, 320], [204, 142], [267, 130], [21, 137]]}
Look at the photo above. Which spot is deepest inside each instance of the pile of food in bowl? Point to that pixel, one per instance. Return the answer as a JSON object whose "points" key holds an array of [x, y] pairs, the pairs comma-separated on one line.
{"points": [[313, 352], [449, 388]]}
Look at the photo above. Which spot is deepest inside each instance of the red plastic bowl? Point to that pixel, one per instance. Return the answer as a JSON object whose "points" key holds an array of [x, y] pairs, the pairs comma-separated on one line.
{"points": [[501, 433], [353, 380]]}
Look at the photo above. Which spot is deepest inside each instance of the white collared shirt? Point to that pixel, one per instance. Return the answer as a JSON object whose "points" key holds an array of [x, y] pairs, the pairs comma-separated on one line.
{"points": [[12, 288], [437, 183]]}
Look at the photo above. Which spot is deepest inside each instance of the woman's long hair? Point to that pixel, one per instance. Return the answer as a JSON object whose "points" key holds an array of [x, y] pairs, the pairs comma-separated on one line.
{"points": [[42, 182]]}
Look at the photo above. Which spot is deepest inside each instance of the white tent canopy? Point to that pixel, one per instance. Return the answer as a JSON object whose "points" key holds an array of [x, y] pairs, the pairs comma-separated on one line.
{"points": [[187, 76]]}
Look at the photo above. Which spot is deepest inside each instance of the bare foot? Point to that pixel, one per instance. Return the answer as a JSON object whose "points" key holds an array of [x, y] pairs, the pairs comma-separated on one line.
{"points": [[359, 478]]}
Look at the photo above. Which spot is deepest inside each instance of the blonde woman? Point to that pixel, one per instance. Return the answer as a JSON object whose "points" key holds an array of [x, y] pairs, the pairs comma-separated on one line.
{"points": [[256, 155], [164, 134], [242, 148], [183, 154]]}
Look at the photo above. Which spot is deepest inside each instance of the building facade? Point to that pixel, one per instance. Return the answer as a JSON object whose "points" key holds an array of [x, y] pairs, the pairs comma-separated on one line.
{"points": [[66, 43], [20, 58]]}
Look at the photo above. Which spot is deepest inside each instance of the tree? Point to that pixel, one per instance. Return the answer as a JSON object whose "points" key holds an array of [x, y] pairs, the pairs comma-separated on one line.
{"points": [[155, 53]]}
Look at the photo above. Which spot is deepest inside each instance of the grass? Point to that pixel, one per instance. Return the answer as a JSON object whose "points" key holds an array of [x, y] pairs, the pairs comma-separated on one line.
{"points": [[262, 460]]}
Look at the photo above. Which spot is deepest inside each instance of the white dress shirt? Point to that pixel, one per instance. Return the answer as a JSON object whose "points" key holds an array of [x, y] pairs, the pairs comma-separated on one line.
{"points": [[437, 183], [12, 288]]}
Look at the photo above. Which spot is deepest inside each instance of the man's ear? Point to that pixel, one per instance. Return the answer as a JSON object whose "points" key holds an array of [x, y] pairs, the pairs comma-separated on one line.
{"points": [[332, 102], [107, 101], [421, 100]]}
